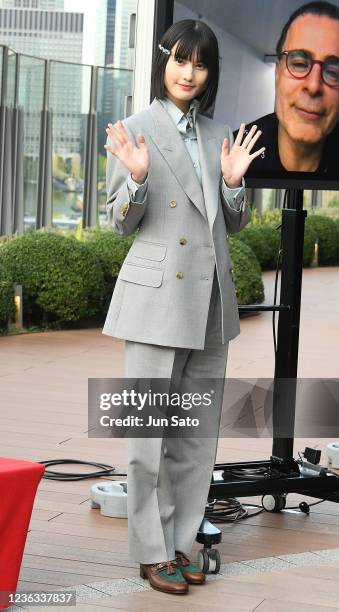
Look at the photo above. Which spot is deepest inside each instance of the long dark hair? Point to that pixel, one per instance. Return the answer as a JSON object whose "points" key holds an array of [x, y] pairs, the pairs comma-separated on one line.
{"points": [[193, 36]]}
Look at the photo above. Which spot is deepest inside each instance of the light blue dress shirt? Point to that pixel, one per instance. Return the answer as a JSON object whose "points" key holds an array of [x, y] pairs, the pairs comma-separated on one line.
{"points": [[186, 126]]}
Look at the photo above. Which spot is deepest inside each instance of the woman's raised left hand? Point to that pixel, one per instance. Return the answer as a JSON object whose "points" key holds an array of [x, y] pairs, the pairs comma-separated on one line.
{"points": [[235, 162]]}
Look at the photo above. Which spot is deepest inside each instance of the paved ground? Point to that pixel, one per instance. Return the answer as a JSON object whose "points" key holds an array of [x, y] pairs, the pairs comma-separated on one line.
{"points": [[271, 562]]}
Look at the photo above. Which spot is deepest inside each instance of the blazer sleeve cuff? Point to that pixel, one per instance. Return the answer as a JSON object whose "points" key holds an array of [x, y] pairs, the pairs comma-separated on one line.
{"points": [[137, 191], [235, 197]]}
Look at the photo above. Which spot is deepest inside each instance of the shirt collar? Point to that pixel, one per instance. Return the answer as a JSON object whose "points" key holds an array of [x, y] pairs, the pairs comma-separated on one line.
{"points": [[177, 115]]}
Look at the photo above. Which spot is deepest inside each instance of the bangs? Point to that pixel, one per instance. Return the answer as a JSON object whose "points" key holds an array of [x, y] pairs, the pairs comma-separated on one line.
{"points": [[189, 45]]}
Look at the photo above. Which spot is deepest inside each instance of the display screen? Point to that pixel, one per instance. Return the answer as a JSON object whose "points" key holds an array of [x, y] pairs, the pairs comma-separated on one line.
{"points": [[301, 134], [291, 92]]}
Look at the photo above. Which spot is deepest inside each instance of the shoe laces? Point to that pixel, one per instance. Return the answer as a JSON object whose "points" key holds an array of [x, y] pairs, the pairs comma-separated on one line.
{"points": [[171, 567], [182, 558]]}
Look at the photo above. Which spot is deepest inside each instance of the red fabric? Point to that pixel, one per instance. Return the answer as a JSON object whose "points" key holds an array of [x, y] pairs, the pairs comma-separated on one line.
{"points": [[18, 484]]}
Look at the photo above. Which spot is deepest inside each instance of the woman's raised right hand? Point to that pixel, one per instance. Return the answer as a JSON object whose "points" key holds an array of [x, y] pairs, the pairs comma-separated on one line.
{"points": [[135, 158]]}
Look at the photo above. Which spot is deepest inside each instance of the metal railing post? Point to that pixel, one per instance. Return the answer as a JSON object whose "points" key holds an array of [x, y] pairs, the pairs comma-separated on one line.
{"points": [[90, 205], [18, 158], [44, 204]]}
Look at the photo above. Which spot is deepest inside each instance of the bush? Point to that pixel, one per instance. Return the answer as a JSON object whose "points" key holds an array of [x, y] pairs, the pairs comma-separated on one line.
{"points": [[67, 280], [264, 240], [62, 281], [310, 237], [247, 273], [7, 308], [325, 230]]}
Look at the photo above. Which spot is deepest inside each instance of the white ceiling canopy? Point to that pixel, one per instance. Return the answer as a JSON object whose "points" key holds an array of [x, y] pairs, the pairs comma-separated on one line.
{"points": [[240, 17]]}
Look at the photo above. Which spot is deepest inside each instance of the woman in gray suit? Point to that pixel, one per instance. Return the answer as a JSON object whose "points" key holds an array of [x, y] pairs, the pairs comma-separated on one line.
{"points": [[176, 177]]}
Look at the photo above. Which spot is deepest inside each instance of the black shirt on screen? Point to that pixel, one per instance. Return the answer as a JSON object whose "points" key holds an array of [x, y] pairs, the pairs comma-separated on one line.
{"points": [[268, 165]]}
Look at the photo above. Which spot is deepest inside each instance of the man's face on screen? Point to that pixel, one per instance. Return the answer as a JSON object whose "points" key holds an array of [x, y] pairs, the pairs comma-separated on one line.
{"points": [[308, 108]]}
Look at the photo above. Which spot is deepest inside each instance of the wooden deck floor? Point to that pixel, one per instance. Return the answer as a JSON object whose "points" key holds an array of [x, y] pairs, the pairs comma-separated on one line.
{"points": [[286, 562]]}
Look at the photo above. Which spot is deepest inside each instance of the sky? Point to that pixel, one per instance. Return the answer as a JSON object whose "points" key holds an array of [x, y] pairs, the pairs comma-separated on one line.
{"points": [[89, 8]]}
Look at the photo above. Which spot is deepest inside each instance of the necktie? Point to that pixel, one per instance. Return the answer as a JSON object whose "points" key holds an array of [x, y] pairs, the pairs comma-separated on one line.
{"points": [[191, 116]]}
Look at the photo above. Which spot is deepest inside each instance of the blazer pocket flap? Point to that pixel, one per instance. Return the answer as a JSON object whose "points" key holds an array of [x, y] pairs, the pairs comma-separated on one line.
{"points": [[141, 276], [149, 250]]}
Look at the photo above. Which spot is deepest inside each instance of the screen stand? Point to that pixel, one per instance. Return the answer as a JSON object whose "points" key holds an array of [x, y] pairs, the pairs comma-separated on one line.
{"points": [[286, 364], [281, 474]]}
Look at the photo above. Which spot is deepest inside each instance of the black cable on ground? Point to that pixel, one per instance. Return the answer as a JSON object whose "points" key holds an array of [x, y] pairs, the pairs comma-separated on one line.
{"points": [[321, 501], [104, 470], [217, 510], [227, 510], [231, 510]]}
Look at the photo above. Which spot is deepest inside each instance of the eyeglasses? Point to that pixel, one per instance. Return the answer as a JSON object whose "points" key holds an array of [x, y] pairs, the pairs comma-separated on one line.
{"points": [[299, 63]]}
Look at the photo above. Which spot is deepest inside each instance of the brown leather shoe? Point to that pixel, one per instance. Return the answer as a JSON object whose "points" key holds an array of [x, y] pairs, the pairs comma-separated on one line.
{"points": [[164, 576], [190, 572]]}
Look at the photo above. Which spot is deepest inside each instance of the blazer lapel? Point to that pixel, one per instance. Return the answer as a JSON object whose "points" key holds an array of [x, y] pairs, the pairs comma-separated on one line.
{"points": [[209, 153], [170, 144]]}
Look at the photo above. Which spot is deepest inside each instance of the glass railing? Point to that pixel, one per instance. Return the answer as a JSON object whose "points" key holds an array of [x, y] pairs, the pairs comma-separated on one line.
{"points": [[54, 115], [30, 99], [69, 103], [11, 80], [63, 110]]}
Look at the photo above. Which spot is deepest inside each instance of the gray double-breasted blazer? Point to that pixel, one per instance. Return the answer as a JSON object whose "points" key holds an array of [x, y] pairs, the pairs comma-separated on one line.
{"points": [[163, 289]]}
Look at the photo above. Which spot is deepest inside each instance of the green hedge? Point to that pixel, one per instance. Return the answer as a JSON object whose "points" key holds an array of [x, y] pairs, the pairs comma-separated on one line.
{"points": [[264, 240], [62, 280], [247, 273], [7, 308], [326, 231], [336, 221], [67, 281]]}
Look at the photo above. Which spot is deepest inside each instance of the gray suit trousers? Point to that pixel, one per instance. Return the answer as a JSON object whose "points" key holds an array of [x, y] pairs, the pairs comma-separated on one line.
{"points": [[168, 478]]}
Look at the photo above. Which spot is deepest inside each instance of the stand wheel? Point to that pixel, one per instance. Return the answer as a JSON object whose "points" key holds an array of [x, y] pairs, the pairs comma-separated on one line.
{"points": [[304, 507], [209, 560], [273, 503]]}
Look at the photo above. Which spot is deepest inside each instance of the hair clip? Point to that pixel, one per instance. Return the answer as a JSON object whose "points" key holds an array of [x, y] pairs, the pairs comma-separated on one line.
{"points": [[164, 50]]}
